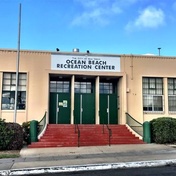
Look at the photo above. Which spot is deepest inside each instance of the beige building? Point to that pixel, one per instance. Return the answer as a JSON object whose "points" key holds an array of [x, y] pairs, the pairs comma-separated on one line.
{"points": [[86, 88]]}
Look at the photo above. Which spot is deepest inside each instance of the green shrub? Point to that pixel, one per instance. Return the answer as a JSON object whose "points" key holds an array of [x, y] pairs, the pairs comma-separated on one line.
{"points": [[163, 130], [5, 135], [16, 142], [26, 132]]}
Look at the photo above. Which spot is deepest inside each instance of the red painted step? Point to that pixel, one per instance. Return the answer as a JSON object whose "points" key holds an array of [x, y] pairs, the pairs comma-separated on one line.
{"points": [[90, 135]]}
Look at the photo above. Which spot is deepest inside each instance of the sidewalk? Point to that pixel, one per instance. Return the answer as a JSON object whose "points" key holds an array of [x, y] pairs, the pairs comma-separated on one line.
{"points": [[99, 157]]}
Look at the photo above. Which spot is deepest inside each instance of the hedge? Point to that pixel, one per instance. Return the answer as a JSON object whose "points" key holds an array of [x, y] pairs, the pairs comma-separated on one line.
{"points": [[163, 130], [11, 136], [5, 135], [16, 142]]}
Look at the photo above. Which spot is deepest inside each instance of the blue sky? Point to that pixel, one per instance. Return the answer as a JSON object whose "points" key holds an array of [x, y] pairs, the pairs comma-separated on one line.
{"points": [[101, 26]]}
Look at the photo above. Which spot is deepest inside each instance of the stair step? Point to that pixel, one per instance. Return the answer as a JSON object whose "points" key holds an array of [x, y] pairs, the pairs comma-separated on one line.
{"points": [[63, 135]]}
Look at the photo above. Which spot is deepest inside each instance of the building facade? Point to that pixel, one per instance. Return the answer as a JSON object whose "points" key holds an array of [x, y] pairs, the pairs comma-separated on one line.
{"points": [[86, 88]]}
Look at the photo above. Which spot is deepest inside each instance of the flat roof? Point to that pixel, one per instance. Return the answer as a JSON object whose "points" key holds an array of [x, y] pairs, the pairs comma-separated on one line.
{"points": [[88, 53]]}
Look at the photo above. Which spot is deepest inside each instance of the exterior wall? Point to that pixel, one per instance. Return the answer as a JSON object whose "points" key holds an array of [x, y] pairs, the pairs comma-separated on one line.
{"points": [[36, 65], [122, 97], [137, 67], [96, 76]]}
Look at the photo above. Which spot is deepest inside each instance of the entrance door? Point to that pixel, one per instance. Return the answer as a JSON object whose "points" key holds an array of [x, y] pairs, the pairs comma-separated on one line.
{"points": [[60, 103], [59, 108], [108, 104], [84, 108]]}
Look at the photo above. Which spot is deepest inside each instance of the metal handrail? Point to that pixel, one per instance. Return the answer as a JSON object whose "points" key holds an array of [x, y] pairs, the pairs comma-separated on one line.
{"points": [[41, 124], [134, 124], [77, 130], [109, 132]]}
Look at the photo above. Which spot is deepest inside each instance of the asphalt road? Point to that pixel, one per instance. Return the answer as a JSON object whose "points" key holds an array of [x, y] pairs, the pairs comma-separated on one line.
{"points": [[147, 171]]}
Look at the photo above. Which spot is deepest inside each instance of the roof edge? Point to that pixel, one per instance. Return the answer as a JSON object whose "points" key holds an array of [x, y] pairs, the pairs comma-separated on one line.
{"points": [[85, 53]]}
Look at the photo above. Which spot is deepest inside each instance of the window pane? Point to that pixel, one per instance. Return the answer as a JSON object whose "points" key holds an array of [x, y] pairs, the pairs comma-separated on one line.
{"points": [[52, 85], [21, 100], [52, 90], [6, 81], [13, 76], [83, 87], [22, 82], [152, 83], [151, 88], [8, 92], [14, 82], [66, 90], [170, 92], [89, 91], [59, 86], [59, 90], [21, 88], [158, 103], [172, 86], [172, 103], [89, 85], [158, 92], [22, 76], [66, 86], [147, 101], [13, 88], [106, 88], [6, 75], [77, 90], [83, 91], [6, 87], [152, 92]]}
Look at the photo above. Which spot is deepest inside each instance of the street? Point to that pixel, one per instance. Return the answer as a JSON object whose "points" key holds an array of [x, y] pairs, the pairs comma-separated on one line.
{"points": [[147, 171]]}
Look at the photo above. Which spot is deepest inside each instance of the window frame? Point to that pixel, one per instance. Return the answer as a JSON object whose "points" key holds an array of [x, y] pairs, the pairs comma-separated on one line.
{"points": [[83, 87], [152, 87], [59, 86], [171, 83], [9, 88], [106, 88]]}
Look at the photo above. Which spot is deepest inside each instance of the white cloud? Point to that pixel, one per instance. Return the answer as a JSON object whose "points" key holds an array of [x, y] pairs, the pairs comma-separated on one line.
{"points": [[150, 17], [94, 16], [99, 11]]}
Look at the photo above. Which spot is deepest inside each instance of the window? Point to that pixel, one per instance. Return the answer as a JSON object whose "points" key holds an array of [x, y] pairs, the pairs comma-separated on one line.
{"points": [[8, 91], [172, 94], [83, 87], [153, 94], [60, 86], [106, 88]]}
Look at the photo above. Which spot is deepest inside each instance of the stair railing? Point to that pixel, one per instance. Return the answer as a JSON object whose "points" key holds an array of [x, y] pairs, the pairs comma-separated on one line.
{"points": [[134, 124], [77, 130], [42, 124], [109, 133]]}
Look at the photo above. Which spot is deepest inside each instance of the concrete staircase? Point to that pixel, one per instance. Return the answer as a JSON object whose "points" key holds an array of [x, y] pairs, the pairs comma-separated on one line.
{"points": [[58, 135]]}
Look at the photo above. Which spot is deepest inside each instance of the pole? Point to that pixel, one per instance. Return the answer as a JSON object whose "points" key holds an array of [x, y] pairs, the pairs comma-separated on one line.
{"points": [[17, 65], [159, 51]]}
